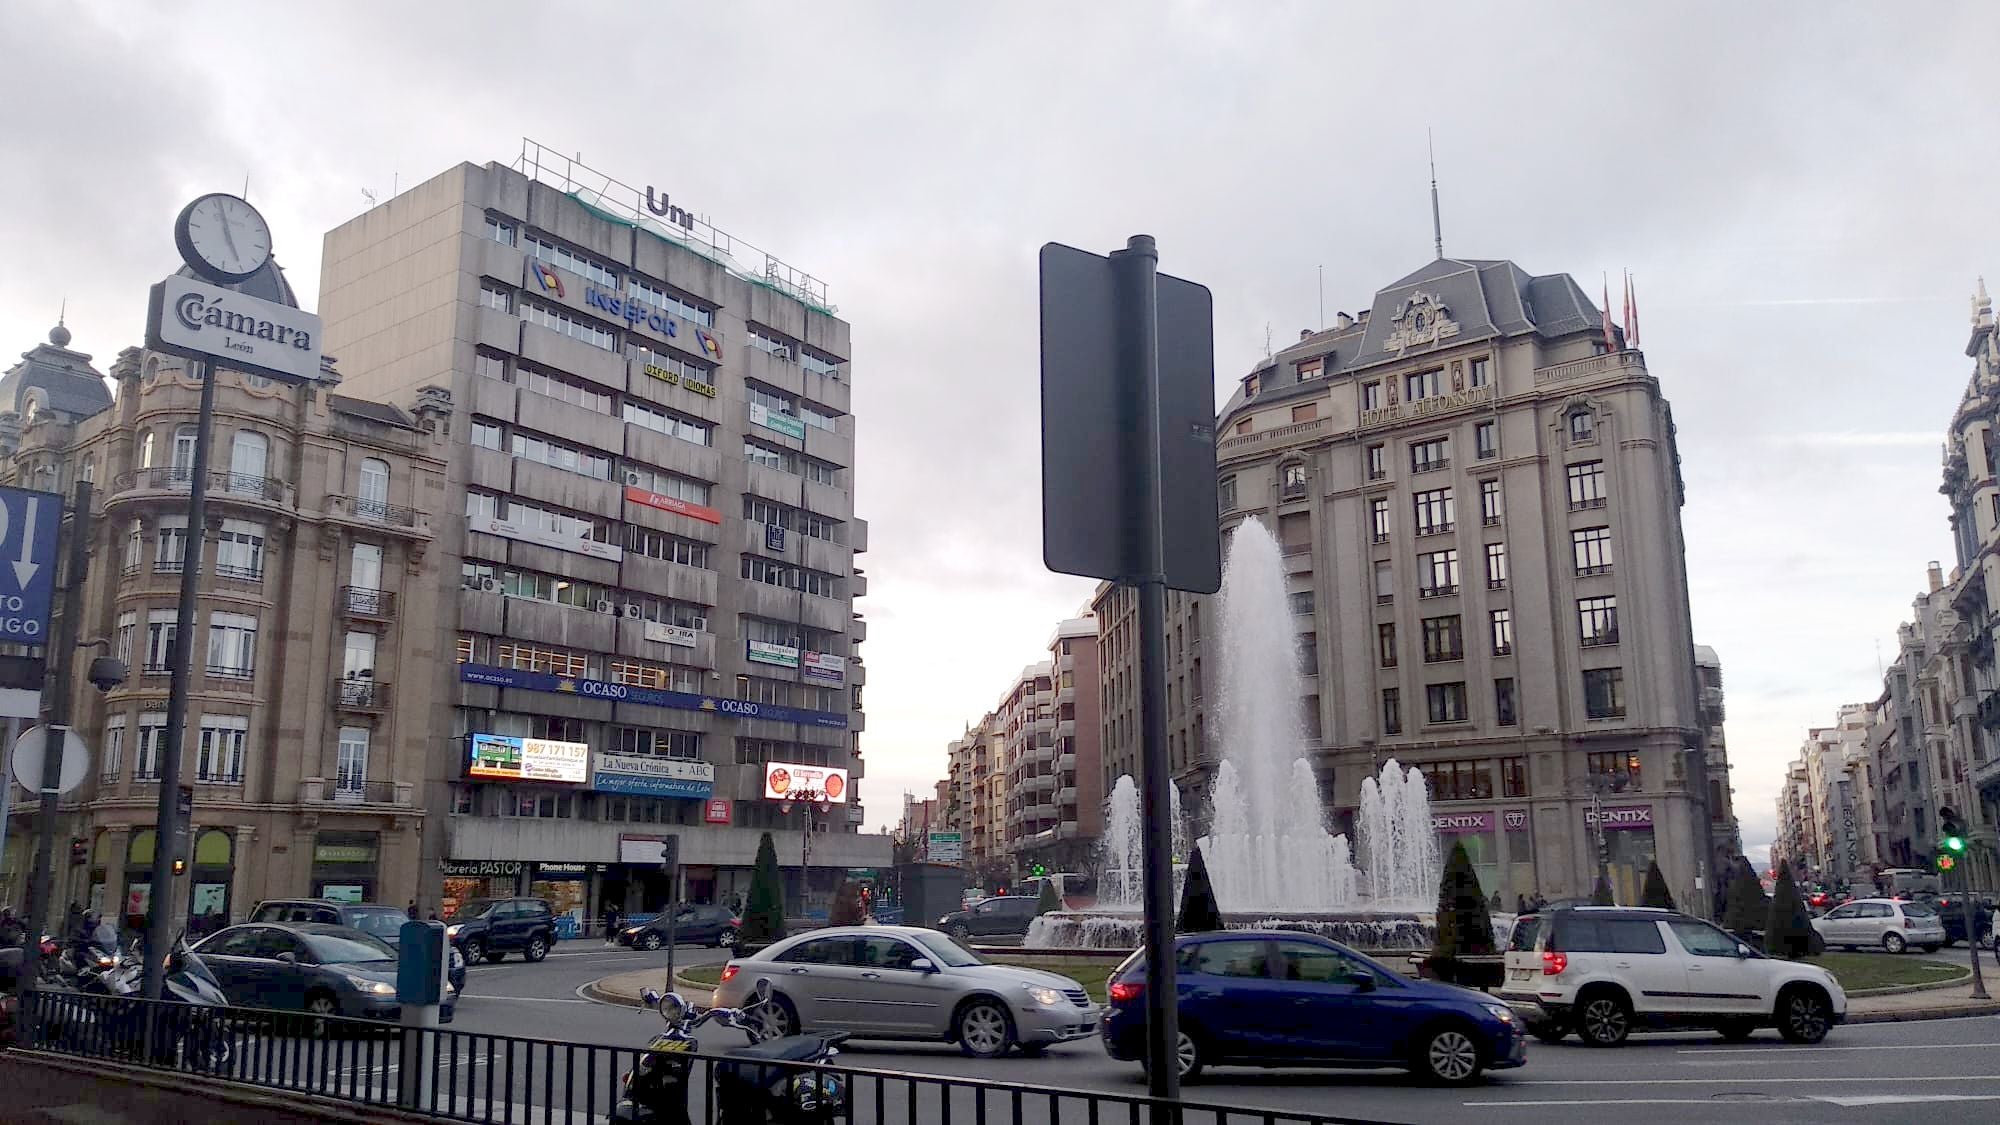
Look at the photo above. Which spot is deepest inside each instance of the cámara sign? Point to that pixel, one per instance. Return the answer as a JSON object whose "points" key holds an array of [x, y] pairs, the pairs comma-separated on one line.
{"points": [[202, 321]]}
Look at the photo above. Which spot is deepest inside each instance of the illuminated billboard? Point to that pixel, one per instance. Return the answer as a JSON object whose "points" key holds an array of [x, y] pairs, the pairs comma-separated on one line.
{"points": [[785, 781], [501, 757]]}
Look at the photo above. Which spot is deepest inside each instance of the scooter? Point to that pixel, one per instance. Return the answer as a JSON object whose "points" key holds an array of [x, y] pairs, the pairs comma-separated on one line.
{"points": [[655, 1092], [191, 1034]]}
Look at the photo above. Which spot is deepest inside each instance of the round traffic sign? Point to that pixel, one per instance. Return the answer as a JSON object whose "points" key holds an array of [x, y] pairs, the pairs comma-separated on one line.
{"points": [[28, 760]]}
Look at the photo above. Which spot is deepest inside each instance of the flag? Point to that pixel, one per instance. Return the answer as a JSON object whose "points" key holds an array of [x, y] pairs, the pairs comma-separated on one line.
{"points": [[1610, 336], [1632, 317]]}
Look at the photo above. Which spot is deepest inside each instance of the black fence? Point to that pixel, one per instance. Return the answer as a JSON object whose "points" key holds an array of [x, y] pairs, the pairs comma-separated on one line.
{"points": [[475, 1077]]}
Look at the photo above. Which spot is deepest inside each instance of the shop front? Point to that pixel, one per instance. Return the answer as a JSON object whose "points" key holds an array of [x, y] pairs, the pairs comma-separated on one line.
{"points": [[139, 878], [1628, 846], [465, 880], [566, 888], [208, 890], [346, 865]]}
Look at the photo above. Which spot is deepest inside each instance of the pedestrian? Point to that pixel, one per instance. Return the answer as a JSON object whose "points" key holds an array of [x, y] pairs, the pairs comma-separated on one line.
{"points": [[410, 911], [1520, 904], [610, 920]]}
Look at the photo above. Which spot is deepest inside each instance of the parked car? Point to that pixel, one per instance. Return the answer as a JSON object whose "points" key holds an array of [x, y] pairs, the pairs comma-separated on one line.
{"points": [[1006, 916], [1279, 998], [323, 970], [1601, 971], [1951, 911], [693, 925], [1890, 924], [374, 919], [906, 982], [491, 928]]}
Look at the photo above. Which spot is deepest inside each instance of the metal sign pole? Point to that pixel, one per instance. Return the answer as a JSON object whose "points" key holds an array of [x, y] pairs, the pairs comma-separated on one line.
{"points": [[166, 834], [61, 661]]}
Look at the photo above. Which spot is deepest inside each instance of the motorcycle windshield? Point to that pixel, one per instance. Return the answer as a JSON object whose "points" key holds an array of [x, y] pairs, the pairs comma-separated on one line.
{"points": [[190, 964]]}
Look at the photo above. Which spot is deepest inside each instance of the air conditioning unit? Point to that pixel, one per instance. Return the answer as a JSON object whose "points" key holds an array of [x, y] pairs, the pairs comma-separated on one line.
{"points": [[490, 585], [606, 606], [631, 477], [631, 610]]}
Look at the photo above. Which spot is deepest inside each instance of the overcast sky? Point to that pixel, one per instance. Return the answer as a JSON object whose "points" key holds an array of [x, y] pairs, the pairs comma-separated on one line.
{"points": [[1803, 199]]}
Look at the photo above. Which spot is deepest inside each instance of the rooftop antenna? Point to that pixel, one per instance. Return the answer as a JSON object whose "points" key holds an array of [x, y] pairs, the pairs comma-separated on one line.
{"points": [[1267, 339], [1437, 223], [62, 314]]}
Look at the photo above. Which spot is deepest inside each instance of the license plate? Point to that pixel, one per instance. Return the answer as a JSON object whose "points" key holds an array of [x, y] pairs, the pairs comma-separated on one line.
{"points": [[669, 1045], [1517, 974]]}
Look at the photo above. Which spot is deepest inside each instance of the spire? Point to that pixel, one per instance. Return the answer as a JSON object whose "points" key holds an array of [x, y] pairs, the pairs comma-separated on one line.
{"points": [[1982, 306], [59, 335], [1437, 223]]}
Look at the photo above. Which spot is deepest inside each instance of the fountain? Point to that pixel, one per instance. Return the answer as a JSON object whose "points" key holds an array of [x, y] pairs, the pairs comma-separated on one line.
{"points": [[1270, 854]]}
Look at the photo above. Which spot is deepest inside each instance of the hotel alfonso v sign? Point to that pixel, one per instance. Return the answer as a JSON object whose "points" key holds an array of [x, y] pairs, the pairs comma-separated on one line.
{"points": [[192, 318]]}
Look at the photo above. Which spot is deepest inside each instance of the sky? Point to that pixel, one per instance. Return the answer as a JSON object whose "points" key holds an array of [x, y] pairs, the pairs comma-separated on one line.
{"points": [[1801, 192]]}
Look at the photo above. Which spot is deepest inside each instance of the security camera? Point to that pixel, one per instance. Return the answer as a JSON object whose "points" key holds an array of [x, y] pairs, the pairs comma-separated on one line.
{"points": [[107, 672]]}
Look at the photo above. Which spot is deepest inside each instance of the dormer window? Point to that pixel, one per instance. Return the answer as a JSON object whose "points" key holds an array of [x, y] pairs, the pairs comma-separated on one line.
{"points": [[1250, 386], [1312, 369]]}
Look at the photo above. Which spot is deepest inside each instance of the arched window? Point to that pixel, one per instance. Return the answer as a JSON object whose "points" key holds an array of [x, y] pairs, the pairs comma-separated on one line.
{"points": [[140, 852], [146, 450], [213, 849], [373, 498], [1582, 426], [248, 454], [90, 467], [184, 442]]}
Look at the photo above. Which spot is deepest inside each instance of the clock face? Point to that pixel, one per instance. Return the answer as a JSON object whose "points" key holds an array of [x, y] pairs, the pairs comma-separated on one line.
{"points": [[223, 238]]}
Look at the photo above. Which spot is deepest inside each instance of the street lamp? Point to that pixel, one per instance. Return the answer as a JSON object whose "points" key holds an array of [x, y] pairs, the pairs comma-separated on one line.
{"points": [[807, 798]]}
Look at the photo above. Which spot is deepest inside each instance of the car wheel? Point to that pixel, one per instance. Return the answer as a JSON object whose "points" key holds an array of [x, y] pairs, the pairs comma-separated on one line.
{"points": [[1893, 942], [959, 933], [538, 948], [322, 1007], [984, 1029], [473, 951], [651, 943], [1448, 1056], [1604, 1020], [1804, 1014], [776, 1018], [1189, 1055], [1549, 1032], [1736, 1031]]}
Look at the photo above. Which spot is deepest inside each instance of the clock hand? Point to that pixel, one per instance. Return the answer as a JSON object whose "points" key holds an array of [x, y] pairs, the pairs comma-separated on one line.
{"points": [[227, 235]]}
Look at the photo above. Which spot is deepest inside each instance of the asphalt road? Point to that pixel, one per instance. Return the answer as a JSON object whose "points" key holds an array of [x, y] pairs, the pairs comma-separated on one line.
{"points": [[1931, 1072]]}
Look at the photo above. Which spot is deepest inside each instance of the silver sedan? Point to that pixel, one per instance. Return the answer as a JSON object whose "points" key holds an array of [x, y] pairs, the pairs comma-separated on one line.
{"points": [[902, 982]]}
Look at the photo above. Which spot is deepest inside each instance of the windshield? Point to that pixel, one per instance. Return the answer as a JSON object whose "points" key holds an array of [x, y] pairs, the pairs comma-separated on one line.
{"points": [[348, 948], [1526, 929], [385, 923], [947, 952], [1919, 910], [471, 909]]}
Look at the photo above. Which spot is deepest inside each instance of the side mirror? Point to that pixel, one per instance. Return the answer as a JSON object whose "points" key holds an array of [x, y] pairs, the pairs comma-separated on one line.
{"points": [[1742, 950], [923, 965], [648, 998], [1363, 982], [288, 958]]}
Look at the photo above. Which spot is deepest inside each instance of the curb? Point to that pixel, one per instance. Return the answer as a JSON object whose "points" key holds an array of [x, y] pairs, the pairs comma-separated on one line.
{"points": [[1941, 1012], [1958, 981], [688, 988]]}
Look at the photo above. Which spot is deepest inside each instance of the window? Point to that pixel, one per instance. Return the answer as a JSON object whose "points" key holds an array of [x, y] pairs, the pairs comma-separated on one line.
{"points": [[667, 548], [1593, 550], [666, 422], [1465, 780], [531, 658], [568, 259], [135, 546], [667, 301], [1486, 440], [1503, 631], [490, 365], [351, 769], [1489, 503], [1620, 766], [1446, 702], [170, 549], [114, 748], [1582, 427], [667, 484], [667, 611], [159, 641], [1292, 481], [659, 744], [1301, 602], [499, 230], [152, 740], [1433, 509], [1378, 462], [1482, 373], [249, 454], [184, 443], [1371, 395], [663, 677], [1312, 369], [1385, 582], [1496, 566], [219, 754], [373, 497], [1604, 693], [575, 327], [1378, 519], [1506, 711], [1240, 959], [576, 392], [1249, 387], [1426, 456], [1422, 385], [821, 472], [556, 455], [764, 340], [232, 645], [1437, 574], [819, 364], [128, 630], [89, 471], [1392, 711], [1444, 639], [1308, 655], [488, 435], [1701, 939], [1385, 644], [493, 296], [239, 550], [1586, 485], [1225, 491], [1597, 620], [1305, 412]]}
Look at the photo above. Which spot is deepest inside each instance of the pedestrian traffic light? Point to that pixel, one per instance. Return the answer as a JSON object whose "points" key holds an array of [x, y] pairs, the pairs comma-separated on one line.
{"points": [[1946, 863], [79, 849], [1951, 836]]}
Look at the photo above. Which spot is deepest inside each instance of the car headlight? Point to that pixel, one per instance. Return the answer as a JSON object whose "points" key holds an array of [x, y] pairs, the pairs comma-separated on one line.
{"points": [[1046, 997], [634, 931], [452, 931], [1500, 1012], [373, 987]]}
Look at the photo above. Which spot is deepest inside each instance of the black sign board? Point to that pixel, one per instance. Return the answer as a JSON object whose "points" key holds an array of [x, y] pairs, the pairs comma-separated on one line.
{"points": [[1093, 432]]}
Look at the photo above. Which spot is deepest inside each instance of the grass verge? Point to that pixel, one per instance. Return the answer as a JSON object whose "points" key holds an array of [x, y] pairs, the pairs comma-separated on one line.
{"points": [[1859, 971]]}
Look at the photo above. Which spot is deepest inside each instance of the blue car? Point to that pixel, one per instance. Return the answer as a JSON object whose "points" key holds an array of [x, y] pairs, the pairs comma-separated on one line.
{"points": [[1280, 998]]}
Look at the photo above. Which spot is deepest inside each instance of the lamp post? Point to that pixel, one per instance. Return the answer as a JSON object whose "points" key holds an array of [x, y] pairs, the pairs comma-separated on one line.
{"points": [[807, 799]]}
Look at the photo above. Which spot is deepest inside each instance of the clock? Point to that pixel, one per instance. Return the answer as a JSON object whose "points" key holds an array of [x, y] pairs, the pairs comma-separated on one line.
{"points": [[223, 238]]}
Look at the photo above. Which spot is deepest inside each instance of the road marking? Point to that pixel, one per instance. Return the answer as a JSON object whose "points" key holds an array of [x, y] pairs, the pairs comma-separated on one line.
{"points": [[1734, 1081], [1846, 1102], [531, 999], [1817, 1050]]}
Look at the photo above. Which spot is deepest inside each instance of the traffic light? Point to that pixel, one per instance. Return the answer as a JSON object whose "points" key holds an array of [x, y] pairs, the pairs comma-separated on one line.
{"points": [[1951, 832], [79, 850], [1038, 871], [1946, 863], [180, 866]]}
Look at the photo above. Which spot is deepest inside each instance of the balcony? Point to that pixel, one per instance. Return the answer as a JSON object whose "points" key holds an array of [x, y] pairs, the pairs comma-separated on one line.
{"points": [[346, 791], [222, 484], [366, 696], [380, 513], [1437, 591], [361, 601]]}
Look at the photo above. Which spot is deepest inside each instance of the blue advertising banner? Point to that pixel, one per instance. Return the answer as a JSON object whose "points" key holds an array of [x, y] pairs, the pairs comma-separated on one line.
{"points": [[652, 697], [639, 786]]}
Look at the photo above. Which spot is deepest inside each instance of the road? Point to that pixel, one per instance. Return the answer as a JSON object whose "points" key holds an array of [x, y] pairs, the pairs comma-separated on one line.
{"points": [[1934, 1072]]}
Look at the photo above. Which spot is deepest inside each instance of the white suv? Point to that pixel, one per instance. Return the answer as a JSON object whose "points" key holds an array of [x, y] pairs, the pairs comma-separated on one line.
{"points": [[1891, 924], [1600, 971]]}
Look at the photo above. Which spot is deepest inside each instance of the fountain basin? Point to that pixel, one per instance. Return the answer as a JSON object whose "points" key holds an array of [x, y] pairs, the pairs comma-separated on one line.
{"points": [[1365, 930]]}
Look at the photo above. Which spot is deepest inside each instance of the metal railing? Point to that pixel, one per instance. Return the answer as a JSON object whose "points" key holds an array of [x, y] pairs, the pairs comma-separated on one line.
{"points": [[346, 791], [373, 511], [362, 695], [366, 601], [450, 1075], [221, 481]]}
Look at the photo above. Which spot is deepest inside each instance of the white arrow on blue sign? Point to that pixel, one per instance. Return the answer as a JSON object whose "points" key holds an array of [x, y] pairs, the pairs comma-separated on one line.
{"points": [[29, 523]]}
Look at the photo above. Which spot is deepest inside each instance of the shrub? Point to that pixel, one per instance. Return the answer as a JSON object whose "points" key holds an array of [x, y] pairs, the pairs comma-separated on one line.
{"points": [[1464, 925], [1199, 912], [1656, 892], [764, 914]]}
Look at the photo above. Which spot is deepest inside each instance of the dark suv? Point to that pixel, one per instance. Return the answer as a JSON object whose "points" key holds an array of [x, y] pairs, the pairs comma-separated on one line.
{"points": [[382, 922], [494, 927], [1006, 916], [1951, 908]]}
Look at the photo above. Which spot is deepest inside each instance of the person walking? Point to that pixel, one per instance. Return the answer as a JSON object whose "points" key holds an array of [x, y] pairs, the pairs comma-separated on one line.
{"points": [[410, 911]]}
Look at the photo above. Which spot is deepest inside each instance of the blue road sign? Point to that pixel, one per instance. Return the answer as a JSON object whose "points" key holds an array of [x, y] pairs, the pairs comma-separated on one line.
{"points": [[29, 523]]}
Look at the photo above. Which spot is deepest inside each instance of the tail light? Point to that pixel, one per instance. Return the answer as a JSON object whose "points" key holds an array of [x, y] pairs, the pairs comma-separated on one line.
{"points": [[1126, 991], [1554, 964], [729, 971]]}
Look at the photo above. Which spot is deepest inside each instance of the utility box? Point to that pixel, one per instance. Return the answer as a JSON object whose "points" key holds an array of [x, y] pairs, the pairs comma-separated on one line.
{"points": [[420, 964], [929, 891]]}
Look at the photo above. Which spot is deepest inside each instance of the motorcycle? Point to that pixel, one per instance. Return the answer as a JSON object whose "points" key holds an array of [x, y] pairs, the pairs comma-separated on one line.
{"points": [[656, 1091], [191, 1034]]}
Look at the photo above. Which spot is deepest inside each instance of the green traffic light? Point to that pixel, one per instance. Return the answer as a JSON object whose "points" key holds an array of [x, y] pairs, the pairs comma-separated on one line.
{"points": [[1955, 844]]}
